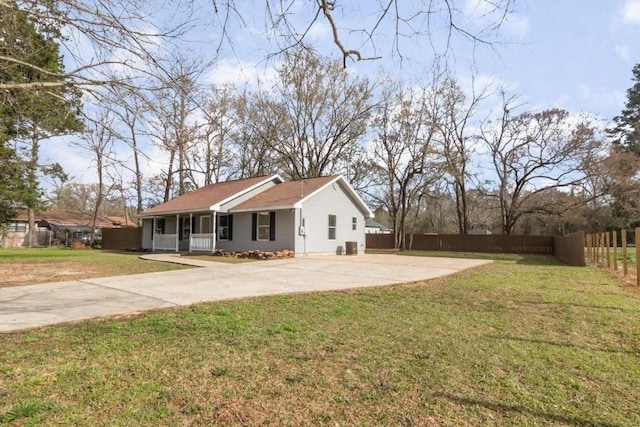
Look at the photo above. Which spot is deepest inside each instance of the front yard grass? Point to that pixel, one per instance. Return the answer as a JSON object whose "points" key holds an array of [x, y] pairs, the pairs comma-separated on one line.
{"points": [[511, 343], [25, 266]]}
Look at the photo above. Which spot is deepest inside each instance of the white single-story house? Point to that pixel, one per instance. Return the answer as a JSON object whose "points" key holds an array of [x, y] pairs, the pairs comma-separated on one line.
{"points": [[316, 215]]}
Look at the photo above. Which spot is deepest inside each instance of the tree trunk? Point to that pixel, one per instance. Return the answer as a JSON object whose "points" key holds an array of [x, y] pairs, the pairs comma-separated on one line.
{"points": [[33, 185], [169, 180], [138, 172]]}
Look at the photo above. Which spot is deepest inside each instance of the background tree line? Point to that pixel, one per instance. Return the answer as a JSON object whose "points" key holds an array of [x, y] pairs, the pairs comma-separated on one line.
{"points": [[430, 156]]}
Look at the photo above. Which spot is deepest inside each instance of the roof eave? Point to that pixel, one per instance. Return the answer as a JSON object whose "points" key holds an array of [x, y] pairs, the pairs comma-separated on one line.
{"points": [[262, 209], [171, 213], [218, 206]]}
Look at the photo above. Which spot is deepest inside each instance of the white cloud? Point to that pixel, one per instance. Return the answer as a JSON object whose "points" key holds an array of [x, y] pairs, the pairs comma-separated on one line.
{"points": [[631, 12], [516, 25], [600, 97], [623, 51], [318, 30]]}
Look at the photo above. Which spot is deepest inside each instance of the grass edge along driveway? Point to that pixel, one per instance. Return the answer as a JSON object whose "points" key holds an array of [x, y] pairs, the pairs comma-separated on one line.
{"points": [[23, 266], [519, 342]]}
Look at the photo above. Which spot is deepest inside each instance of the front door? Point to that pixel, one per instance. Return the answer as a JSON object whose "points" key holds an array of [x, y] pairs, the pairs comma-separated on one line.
{"points": [[184, 230]]}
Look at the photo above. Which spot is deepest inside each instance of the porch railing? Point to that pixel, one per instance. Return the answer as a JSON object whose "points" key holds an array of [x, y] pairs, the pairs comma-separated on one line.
{"points": [[201, 242], [165, 241]]}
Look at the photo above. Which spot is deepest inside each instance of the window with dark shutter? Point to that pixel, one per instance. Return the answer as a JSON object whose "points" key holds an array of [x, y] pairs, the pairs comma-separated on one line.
{"points": [[254, 226], [272, 226], [263, 226], [223, 227]]}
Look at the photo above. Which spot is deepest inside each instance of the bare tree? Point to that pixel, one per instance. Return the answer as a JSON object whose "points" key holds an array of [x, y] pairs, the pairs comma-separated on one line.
{"points": [[533, 153], [454, 113], [77, 197], [403, 155], [127, 35], [211, 157], [128, 108], [249, 141], [173, 112], [101, 38], [98, 140], [362, 32], [315, 117]]}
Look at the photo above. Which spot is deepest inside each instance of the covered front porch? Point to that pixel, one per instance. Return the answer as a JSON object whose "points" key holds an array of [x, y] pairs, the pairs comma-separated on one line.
{"points": [[187, 232]]}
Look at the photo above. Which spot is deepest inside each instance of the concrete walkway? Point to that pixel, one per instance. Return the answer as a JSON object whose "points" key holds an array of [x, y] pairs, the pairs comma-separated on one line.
{"points": [[32, 306]]}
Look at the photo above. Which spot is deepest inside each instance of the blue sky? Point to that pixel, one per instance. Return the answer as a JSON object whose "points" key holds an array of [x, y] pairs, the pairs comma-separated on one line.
{"points": [[576, 55], [570, 54]]}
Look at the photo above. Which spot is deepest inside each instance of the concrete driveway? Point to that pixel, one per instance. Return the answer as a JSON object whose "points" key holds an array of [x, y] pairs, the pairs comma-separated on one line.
{"points": [[33, 306]]}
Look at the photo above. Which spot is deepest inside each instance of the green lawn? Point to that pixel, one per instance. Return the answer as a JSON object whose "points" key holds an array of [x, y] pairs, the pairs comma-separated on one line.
{"points": [[518, 342], [27, 266]]}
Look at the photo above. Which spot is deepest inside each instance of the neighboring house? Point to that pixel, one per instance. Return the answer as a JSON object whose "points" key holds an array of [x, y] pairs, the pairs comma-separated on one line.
{"points": [[120, 221], [14, 233], [317, 215], [55, 225], [70, 226], [374, 227]]}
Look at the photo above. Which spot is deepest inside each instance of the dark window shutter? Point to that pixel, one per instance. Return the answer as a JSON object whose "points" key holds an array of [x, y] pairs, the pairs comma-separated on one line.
{"points": [[272, 226], [254, 225], [230, 227], [193, 225]]}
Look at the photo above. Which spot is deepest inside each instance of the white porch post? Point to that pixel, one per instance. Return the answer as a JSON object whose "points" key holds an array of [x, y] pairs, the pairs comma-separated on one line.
{"points": [[153, 234], [190, 230], [177, 232], [213, 234]]}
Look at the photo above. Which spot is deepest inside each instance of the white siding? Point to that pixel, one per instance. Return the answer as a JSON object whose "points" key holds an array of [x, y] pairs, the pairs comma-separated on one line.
{"points": [[315, 212], [147, 242], [242, 234], [170, 224]]}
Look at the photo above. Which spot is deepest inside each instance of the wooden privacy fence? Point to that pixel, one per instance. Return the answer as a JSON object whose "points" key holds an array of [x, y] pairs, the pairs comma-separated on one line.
{"points": [[569, 249], [121, 238], [606, 247]]}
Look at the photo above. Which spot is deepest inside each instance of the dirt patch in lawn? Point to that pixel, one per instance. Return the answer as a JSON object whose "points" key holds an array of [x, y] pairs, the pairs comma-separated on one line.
{"points": [[25, 274]]}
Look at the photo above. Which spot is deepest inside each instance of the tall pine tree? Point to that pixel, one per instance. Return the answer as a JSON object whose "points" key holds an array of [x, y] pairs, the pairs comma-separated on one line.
{"points": [[626, 133], [29, 116]]}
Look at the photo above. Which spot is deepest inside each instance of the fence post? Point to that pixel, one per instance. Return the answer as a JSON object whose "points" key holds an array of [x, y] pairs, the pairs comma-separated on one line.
{"points": [[638, 256], [625, 270], [615, 250], [607, 244], [586, 244]]}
